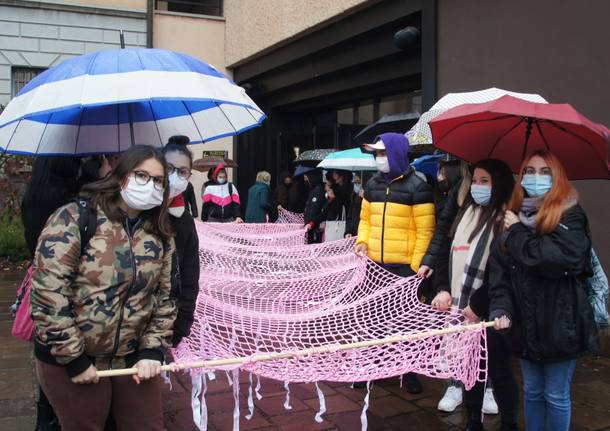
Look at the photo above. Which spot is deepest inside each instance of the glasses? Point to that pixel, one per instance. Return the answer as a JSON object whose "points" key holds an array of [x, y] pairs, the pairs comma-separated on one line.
{"points": [[184, 173], [143, 177], [532, 171]]}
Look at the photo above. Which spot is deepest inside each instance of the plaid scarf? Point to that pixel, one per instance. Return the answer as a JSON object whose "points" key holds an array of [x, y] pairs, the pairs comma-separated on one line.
{"points": [[469, 259]]}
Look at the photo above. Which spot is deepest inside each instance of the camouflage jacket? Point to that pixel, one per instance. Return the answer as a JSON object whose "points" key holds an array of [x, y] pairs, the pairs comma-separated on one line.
{"points": [[111, 302]]}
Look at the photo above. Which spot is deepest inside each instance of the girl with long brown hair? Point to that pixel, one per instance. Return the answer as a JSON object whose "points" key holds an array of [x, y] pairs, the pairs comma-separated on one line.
{"points": [[105, 303], [538, 288], [462, 282]]}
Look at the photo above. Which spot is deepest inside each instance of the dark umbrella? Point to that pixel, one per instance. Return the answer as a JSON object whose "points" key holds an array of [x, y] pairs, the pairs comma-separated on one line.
{"points": [[301, 170], [314, 155], [205, 163], [398, 123], [509, 129]]}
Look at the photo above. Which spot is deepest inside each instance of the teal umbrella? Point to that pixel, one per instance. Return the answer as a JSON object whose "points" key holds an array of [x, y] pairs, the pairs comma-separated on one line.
{"points": [[349, 160]]}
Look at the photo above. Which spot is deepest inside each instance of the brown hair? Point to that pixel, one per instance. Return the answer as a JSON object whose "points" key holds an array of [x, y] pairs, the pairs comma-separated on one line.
{"points": [[553, 204], [502, 184], [106, 193]]}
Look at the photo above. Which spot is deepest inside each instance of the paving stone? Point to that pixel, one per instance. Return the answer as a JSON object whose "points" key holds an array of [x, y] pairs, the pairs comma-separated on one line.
{"points": [[308, 390], [17, 407], [420, 420], [224, 421], [351, 421], [300, 421], [358, 394], [386, 407], [592, 419], [16, 384], [223, 402], [335, 404], [20, 423], [273, 406]]}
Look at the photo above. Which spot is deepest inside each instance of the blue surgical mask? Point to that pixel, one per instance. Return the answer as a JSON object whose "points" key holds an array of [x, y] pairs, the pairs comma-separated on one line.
{"points": [[480, 194], [536, 185], [357, 188], [221, 180]]}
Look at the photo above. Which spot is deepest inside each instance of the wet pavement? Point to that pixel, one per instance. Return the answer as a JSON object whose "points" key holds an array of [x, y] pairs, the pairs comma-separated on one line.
{"points": [[391, 408]]}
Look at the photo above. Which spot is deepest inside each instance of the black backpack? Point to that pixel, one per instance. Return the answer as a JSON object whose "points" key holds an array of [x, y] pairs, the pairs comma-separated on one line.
{"points": [[87, 222]]}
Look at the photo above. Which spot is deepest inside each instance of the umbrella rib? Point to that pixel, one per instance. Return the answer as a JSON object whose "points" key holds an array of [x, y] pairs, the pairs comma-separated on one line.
{"points": [[569, 132], [502, 137], [465, 123], [118, 127], [82, 90], [193, 120], [42, 135], [12, 135], [80, 122], [155, 120], [226, 116], [546, 144]]}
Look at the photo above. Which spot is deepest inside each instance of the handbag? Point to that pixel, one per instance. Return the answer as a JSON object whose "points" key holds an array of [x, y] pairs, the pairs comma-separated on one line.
{"points": [[598, 292], [23, 326], [335, 229]]}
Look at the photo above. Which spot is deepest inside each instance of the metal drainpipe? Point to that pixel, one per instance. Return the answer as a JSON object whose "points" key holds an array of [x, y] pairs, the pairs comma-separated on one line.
{"points": [[150, 8]]}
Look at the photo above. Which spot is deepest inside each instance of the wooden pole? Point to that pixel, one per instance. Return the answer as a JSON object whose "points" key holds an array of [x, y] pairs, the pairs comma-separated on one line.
{"points": [[329, 348]]}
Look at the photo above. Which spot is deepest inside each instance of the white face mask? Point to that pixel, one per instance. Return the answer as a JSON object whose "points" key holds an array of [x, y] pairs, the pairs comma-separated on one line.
{"points": [[383, 165], [176, 185], [141, 197]]}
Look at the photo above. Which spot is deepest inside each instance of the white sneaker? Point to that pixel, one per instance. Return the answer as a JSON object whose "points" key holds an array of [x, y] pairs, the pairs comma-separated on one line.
{"points": [[451, 399], [489, 403]]}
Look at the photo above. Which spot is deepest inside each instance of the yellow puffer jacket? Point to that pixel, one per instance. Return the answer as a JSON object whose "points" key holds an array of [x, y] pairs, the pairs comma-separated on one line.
{"points": [[397, 221]]}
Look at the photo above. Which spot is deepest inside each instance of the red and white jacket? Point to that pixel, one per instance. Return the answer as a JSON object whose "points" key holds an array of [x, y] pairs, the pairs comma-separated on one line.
{"points": [[220, 202]]}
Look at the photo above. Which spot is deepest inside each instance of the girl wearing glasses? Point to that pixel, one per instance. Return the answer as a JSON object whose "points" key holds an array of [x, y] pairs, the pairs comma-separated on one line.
{"points": [[107, 304], [538, 288], [179, 162]]}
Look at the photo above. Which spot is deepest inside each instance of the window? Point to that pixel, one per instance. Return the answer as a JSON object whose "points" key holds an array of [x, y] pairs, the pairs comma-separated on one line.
{"points": [[21, 76], [200, 7]]}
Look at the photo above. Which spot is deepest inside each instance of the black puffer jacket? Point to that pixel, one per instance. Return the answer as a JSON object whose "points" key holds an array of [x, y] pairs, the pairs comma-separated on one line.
{"points": [[315, 200], [540, 283], [187, 248], [440, 242], [353, 216]]}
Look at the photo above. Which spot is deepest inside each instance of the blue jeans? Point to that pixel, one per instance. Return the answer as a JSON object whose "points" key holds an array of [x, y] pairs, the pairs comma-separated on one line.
{"points": [[546, 391]]}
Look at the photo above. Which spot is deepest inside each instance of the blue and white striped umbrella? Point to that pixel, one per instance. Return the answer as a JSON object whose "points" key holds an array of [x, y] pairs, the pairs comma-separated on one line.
{"points": [[349, 160], [106, 101]]}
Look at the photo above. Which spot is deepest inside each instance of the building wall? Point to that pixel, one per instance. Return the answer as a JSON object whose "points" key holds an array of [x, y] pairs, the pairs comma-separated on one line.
{"points": [[558, 48], [137, 5], [43, 37], [203, 38], [254, 25]]}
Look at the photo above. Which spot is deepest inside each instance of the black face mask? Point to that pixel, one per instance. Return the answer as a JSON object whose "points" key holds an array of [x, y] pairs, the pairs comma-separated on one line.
{"points": [[443, 186]]}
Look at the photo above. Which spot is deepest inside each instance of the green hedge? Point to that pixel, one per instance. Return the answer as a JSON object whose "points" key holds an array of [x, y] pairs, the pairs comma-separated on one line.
{"points": [[12, 239]]}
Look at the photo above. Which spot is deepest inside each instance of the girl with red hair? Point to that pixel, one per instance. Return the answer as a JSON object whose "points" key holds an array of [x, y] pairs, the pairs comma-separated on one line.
{"points": [[538, 288]]}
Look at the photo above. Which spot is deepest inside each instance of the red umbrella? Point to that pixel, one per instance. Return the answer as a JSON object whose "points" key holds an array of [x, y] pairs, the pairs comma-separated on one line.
{"points": [[509, 129]]}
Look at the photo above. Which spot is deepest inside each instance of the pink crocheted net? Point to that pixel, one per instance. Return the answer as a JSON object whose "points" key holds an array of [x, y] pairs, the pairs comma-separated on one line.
{"points": [[285, 216], [262, 289]]}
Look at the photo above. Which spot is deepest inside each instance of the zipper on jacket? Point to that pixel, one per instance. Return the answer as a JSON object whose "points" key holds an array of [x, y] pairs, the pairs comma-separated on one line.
{"points": [[385, 204], [121, 311]]}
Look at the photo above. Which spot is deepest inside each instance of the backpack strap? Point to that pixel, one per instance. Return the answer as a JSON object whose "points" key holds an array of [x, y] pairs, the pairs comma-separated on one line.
{"points": [[87, 222]]}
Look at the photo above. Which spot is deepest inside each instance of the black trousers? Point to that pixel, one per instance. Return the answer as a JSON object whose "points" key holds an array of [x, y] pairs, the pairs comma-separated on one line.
{"points": [[400, 270], [505, 385]]}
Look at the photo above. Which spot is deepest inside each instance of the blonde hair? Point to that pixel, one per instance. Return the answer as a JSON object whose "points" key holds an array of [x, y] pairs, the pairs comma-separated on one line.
{"points": [[464, 190], [264, 177]]}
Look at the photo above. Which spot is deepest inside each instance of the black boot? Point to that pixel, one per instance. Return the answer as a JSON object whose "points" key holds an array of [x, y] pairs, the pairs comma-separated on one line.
{"points": [[509, 427], [45, 418], [412, 384]]}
